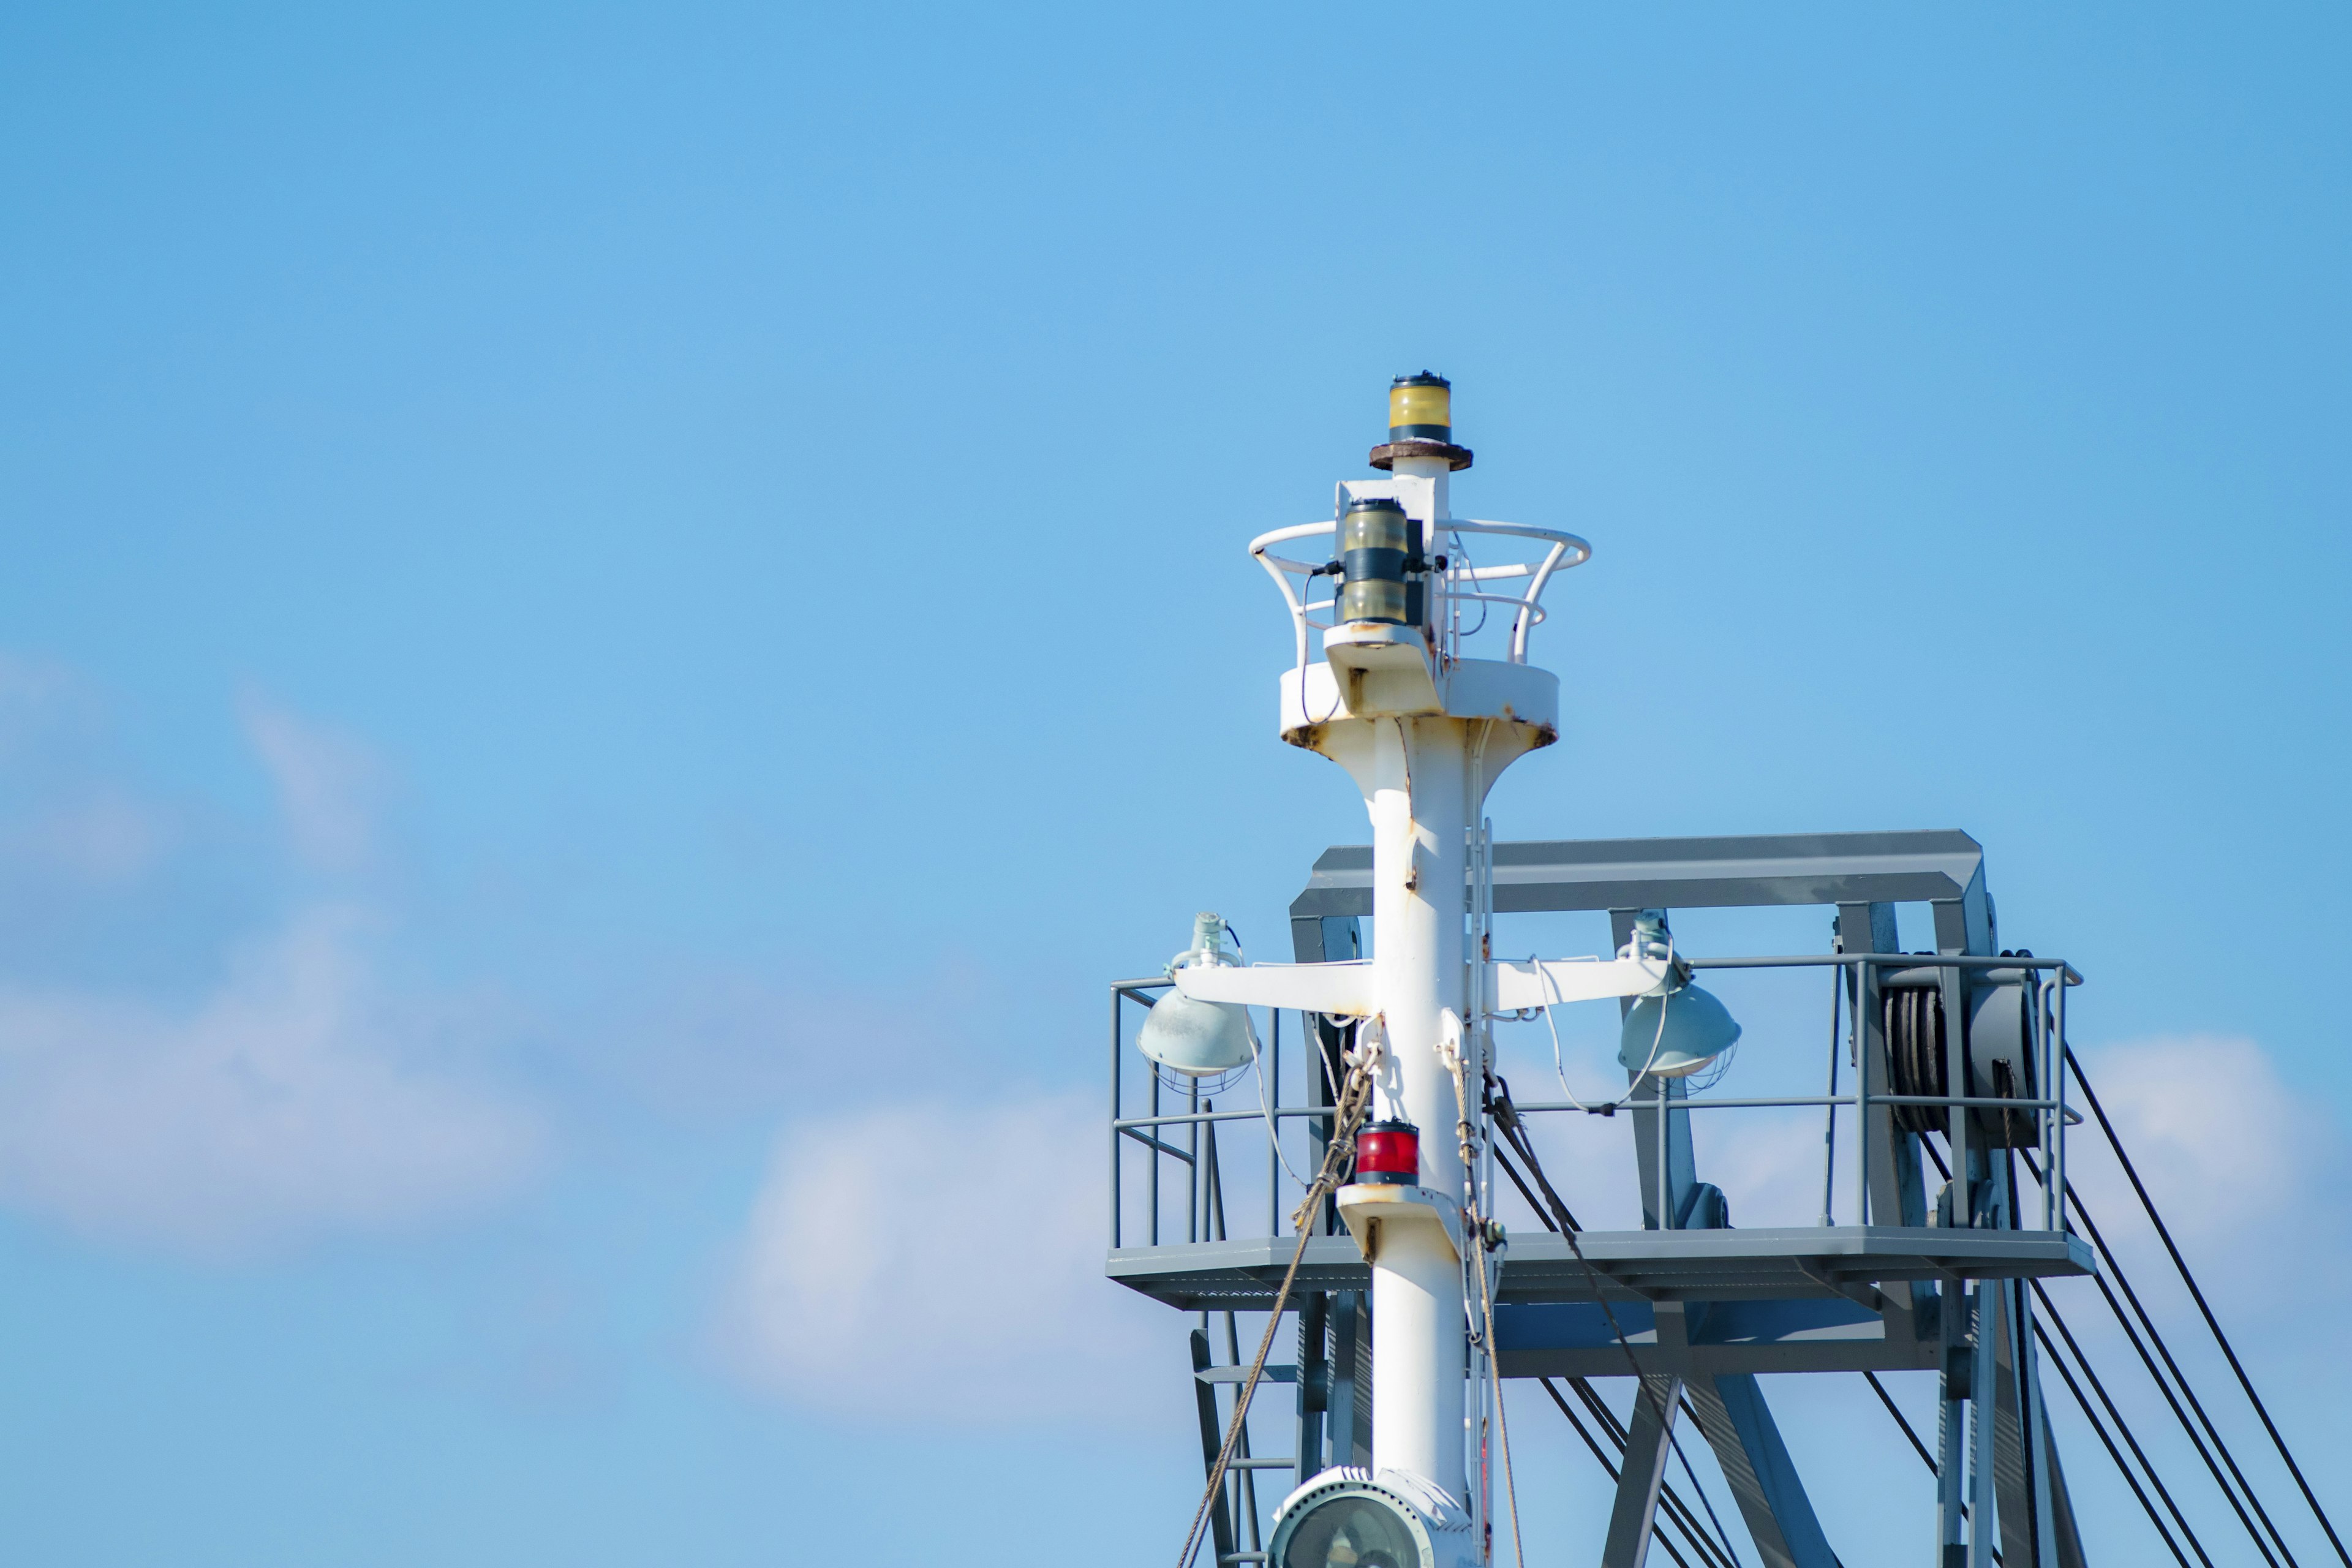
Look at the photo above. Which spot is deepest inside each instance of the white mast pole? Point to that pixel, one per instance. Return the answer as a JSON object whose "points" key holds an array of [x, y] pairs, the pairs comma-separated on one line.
{"points": [[1419, 776]]}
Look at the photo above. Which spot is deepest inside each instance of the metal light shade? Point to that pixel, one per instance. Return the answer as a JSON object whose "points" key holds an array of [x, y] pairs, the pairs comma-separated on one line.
{"points": [[1353, 1530], [1695, 1028], [1196, 1039]]}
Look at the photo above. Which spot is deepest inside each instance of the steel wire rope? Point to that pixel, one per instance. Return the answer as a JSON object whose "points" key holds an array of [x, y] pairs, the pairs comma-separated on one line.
{"points": [[2156, 1337], [1668, 1499], [1341, 1148], [1917, 1447], [2091, 1375], [1707, 1555], [2164, 1233], [2042, 1336], [1705, 1501], [1506, 1115], [2163, 1386]]}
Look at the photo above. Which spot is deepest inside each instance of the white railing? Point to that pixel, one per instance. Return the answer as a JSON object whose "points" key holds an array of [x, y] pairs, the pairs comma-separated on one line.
{"points": [[1461, 584]]}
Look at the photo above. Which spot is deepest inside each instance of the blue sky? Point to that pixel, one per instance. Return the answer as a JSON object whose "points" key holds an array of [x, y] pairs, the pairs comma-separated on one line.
{"points": [[602, 604]]}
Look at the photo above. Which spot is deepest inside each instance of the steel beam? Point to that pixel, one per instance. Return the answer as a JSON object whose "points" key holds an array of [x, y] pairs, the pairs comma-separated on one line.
{"points": [[1747, 1443], [1942, 867], [1648, 1446]]}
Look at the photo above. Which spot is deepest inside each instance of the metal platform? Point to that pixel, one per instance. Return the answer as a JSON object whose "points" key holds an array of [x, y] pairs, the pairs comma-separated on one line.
{"points": [[1844, 1262]]}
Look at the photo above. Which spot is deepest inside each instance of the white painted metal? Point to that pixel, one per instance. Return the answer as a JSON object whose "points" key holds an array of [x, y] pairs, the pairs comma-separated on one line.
{"points": [[1351, 990], [1423, 732]]}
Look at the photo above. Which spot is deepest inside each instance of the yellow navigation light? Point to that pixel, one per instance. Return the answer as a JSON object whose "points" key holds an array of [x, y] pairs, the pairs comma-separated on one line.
{"points": [[1420, 409]]}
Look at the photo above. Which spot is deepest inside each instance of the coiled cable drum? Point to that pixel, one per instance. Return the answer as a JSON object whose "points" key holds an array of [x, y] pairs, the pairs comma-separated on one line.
{"points": [[1914, 1047], [1996, 1042]]}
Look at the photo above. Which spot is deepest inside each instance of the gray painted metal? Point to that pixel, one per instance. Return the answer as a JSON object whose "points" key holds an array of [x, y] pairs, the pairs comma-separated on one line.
{"points": [[1647, 1449], [1213, 1437], [1809, 1261], [1936, 867], [1713, 1308], [1763, 1478]]}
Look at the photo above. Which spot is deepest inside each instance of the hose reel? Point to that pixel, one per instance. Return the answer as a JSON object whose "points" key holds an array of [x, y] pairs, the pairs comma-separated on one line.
{"points": [[1996, 1042]]}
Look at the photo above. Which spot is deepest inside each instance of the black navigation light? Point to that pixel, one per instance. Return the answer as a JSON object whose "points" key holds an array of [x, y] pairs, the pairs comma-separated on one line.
{"points": [[1376, 540]]}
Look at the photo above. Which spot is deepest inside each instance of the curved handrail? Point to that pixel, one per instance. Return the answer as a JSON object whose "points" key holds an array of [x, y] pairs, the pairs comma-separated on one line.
{"points": [[1566, 549]]}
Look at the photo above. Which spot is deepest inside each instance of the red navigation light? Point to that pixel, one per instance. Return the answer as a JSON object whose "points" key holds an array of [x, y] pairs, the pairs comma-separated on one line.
{"points": [[1389, 1151]]}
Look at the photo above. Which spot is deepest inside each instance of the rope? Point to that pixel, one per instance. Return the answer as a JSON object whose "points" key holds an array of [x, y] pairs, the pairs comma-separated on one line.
{"points": [[1465, 1135], [1353, 1098]]}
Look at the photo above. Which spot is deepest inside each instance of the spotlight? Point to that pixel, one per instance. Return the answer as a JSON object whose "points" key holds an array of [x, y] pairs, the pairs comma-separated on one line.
{"points": [[1677, 1029], [1192, 1037], [1349, 1519]]}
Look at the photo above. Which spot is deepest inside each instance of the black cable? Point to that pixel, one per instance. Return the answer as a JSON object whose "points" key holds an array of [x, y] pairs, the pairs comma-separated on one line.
{"points": [[2122, 1426], [2162, 1387], [2107, 1294], [1519, 1182], [1680, 1511], [2211, 1322], [1705, 1501], [1612, 1470], [1917, 1447], [2156, 1337], [2112, 1453], [1901, 1420], [1506, 1117]]}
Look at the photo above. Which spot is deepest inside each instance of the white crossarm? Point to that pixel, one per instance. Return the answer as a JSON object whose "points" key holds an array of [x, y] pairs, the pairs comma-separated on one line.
{"points": [[1343, 989], [1513, 986]]}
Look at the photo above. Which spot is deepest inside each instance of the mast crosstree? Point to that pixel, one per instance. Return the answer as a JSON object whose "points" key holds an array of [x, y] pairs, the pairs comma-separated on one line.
{"points": [[1413, 1308]]}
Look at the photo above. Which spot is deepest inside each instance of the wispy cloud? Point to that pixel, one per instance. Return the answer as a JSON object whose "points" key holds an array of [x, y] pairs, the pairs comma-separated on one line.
{"points": [[286, 1103], [942, 1262], [327, 784], [294, 1094]]}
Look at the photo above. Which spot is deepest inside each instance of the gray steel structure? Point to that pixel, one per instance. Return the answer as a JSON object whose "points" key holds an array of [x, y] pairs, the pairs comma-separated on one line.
{"points": [[1923, 1281]]}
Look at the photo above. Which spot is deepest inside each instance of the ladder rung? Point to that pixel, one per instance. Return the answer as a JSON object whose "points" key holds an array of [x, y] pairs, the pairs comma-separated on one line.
{"points": [[1241, 1374]]}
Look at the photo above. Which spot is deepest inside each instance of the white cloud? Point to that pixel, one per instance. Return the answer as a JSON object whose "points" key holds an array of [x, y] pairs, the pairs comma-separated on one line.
{"points": [[944, 1262], [285, 1104], [2246, 1172], [327, 784]]}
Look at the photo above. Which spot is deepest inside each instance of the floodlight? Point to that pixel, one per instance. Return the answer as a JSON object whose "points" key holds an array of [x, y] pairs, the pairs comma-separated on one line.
{"points": [[1194, 1037]]}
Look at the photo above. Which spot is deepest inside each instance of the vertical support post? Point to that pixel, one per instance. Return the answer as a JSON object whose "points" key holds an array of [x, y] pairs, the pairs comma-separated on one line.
{"points": [[1869, 1078], [1159, 1135], [1951, 1418], [1213, 1437], [1270, 1064], [1983, 1367], [2057, 1169], [1197, 1173], [1889, 1186], [1314, 1383], [1117, 1040], [1350, 1398], [1959, 1122]]}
